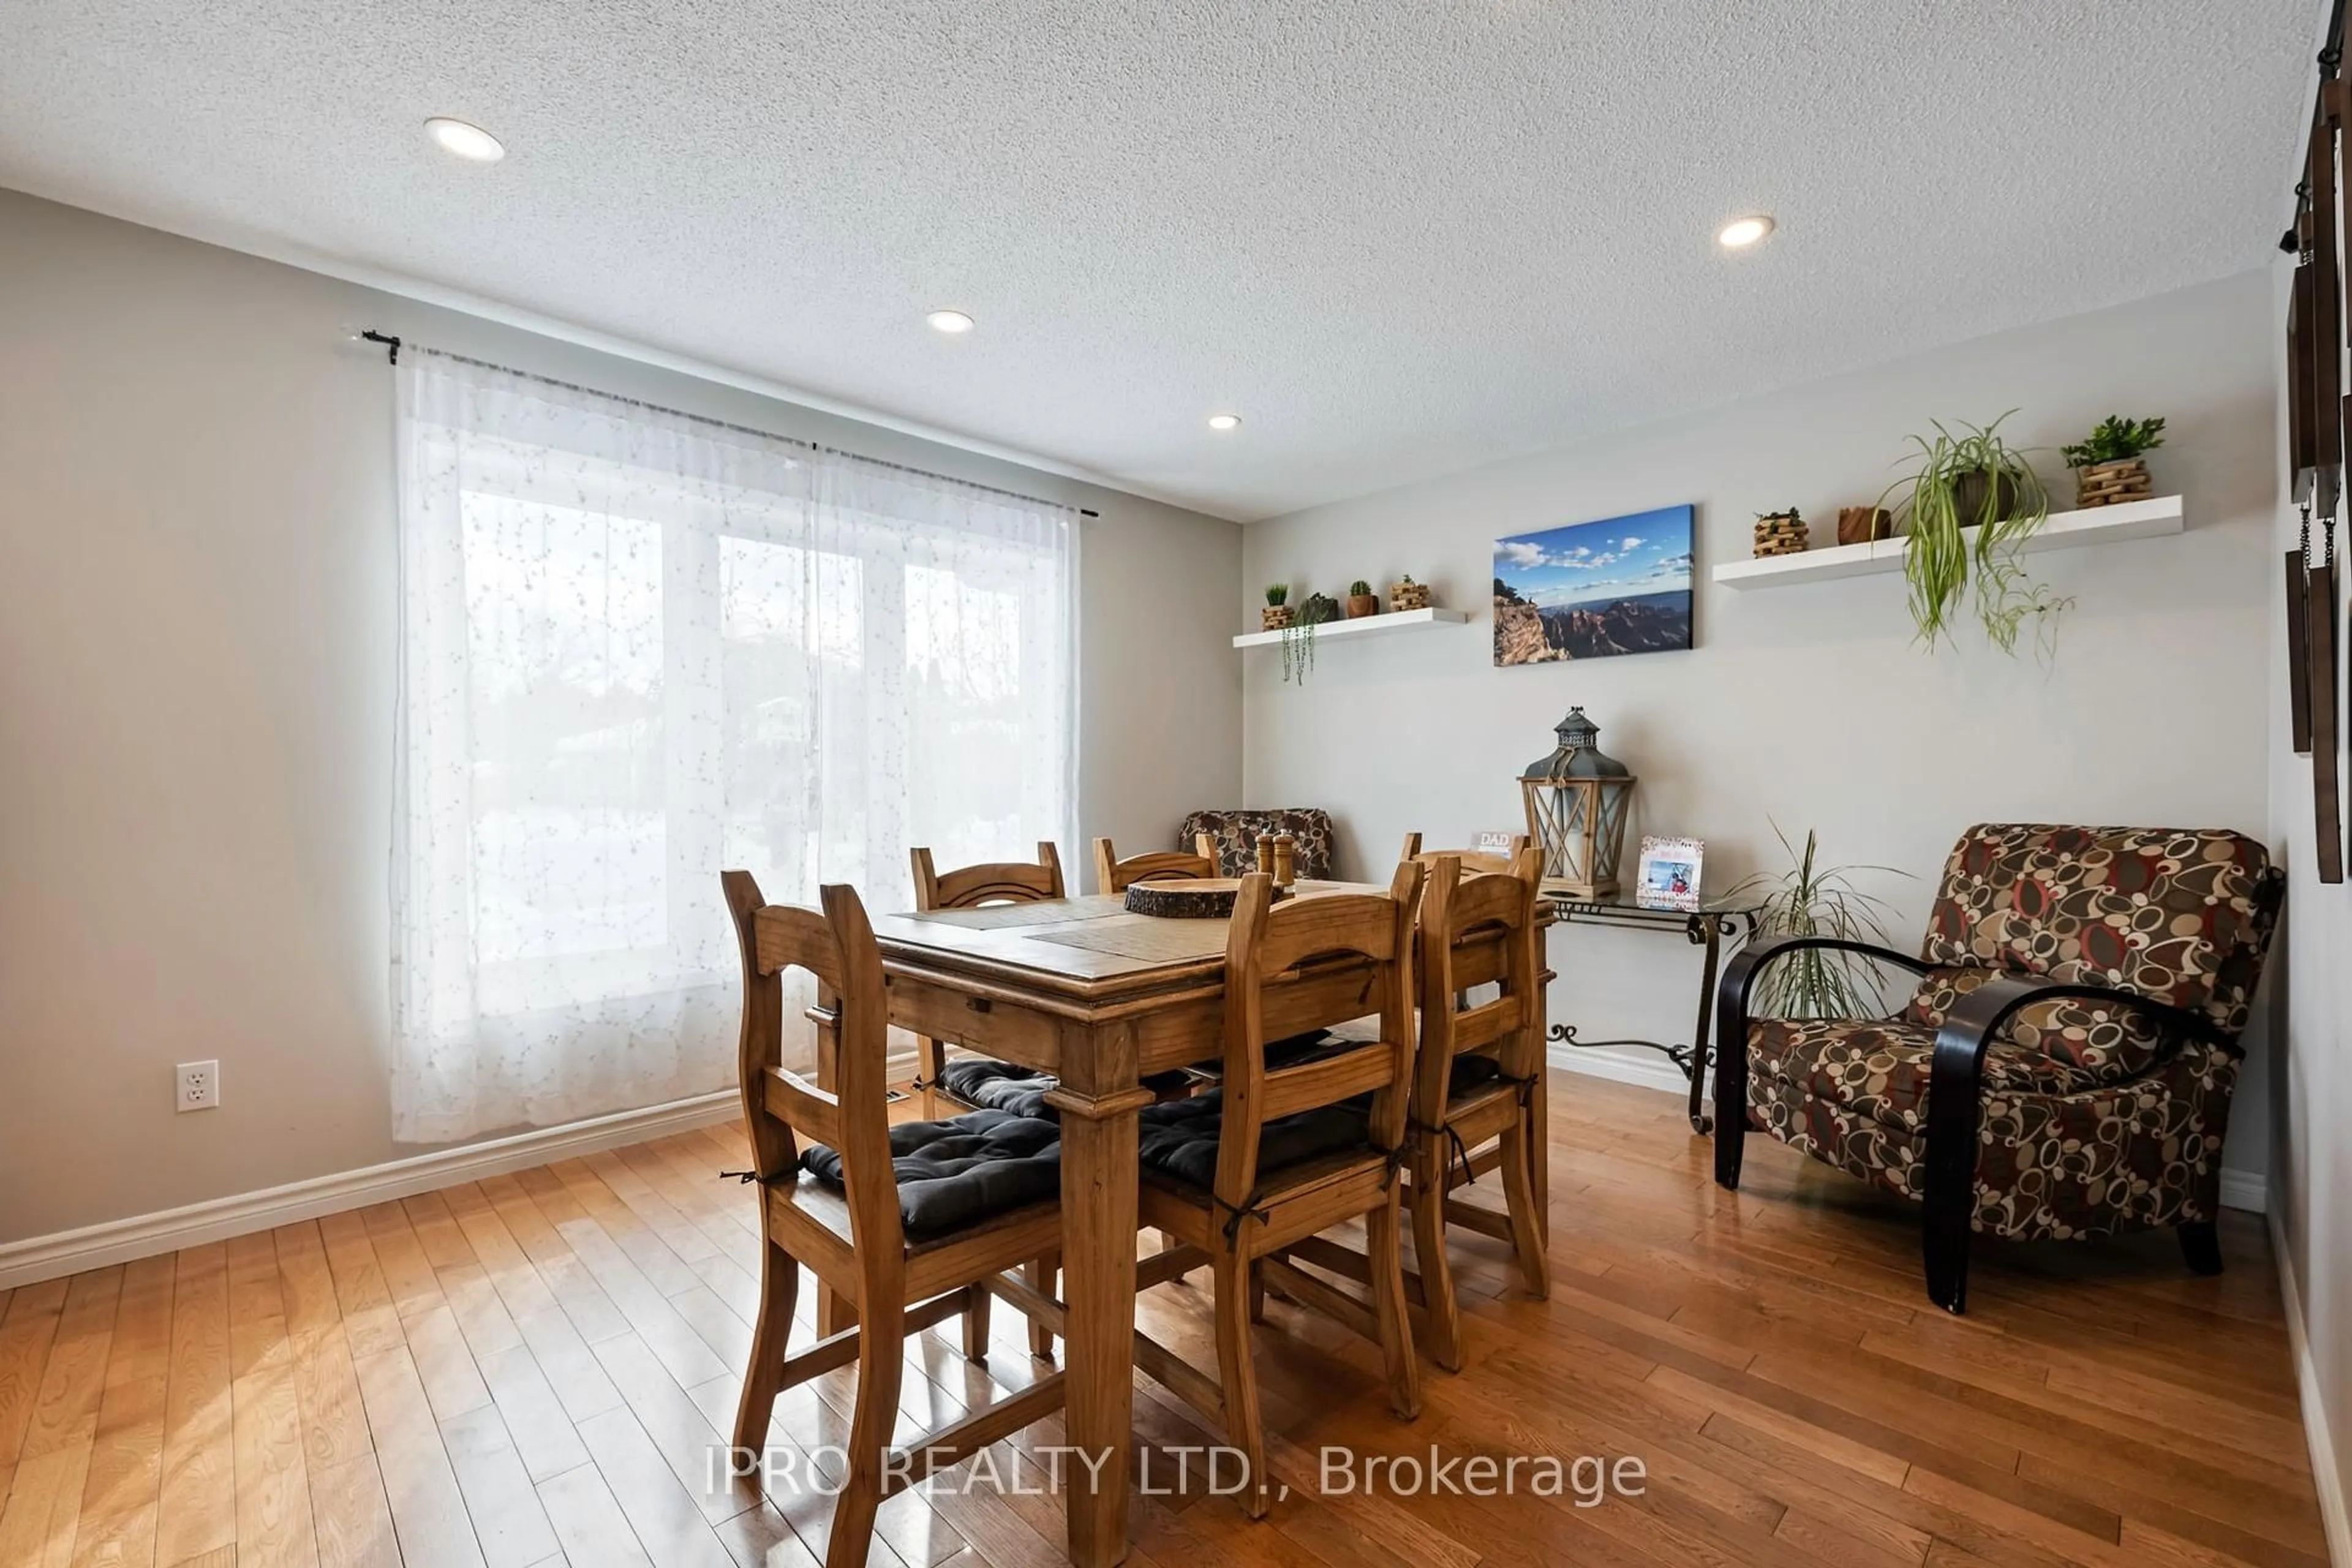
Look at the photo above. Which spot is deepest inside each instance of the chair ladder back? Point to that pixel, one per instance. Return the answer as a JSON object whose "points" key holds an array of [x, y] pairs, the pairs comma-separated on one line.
{"points": [[989, 882], [847, 1108], [1456, 910], [1265, 949], [1113, 875]]}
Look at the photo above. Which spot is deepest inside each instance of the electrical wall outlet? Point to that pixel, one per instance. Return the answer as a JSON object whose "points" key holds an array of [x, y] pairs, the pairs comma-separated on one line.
{"points": [[199, 1085]]}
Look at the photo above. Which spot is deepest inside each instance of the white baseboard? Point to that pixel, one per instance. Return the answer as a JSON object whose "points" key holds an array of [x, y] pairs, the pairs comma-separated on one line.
{"points": [[2245, 1190], [1650, 1070], [2326, 1479], [42, 1257]]}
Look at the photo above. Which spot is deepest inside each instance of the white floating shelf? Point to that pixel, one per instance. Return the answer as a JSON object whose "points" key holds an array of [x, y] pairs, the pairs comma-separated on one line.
{"points": [[2063, 531], [1364, 625]]}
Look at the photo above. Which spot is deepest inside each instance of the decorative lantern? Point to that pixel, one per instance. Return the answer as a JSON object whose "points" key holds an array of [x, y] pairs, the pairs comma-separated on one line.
{"points": [[1577, 805]]}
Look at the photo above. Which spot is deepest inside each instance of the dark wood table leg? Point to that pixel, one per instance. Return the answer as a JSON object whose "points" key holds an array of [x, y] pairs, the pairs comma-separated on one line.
{"points": [[1710, 930], [1540, 1105]]}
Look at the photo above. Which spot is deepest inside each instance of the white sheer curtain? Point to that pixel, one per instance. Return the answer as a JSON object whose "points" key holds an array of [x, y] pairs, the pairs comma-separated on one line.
{"points": [[637, 648]]}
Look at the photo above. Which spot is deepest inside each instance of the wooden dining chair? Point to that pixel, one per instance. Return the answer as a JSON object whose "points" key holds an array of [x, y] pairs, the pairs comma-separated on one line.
{"points": [[976, 1081], [1471, 860], [1277, 1154], [970, 888], [1474, 1108], [1474, 1082], [1112, 874], [911, 1224]]}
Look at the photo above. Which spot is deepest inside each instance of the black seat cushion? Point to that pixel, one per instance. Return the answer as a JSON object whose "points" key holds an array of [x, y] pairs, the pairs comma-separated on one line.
{"points": [[1297, 1050], [999, 1086], [956, 1172], [1472, 1072], [1181, 1138], [1006, 1086]]}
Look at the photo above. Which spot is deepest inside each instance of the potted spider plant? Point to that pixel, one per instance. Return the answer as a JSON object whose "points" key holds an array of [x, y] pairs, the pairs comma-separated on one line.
{"points": [[1361, 600], [1278, 613], [1813, 900], [1969, 505]]}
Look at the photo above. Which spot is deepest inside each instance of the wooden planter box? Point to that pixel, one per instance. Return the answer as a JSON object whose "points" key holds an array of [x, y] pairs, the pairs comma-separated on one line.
{"points": [[2106, 484]]}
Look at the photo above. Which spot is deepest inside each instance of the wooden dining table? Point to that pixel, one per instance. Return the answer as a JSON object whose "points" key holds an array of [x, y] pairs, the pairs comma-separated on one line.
{"points": [[1101, 998]]}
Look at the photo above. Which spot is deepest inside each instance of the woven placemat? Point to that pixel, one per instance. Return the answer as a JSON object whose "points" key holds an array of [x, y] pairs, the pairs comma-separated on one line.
{"points": [[1001, 917], [1141, 937]]}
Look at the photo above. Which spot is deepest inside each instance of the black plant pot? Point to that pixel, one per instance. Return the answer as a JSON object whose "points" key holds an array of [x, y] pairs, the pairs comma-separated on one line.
{"points": [[1968, 497]]}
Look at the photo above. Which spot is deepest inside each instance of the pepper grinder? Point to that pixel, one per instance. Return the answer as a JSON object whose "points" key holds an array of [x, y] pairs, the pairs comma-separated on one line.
{"points": [[1266, 853], [1286, 860]]}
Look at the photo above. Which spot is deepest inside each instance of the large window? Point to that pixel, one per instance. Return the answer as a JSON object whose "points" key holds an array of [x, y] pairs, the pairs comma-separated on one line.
{"points": [[637, 648]]}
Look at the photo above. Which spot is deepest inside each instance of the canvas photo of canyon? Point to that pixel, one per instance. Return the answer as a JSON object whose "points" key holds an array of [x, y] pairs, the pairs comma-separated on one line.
{"points": [[1593, 590]]}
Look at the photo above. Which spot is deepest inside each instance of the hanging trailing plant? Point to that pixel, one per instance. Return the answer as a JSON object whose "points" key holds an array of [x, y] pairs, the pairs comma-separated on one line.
{"points": [[1969, 506], [1813, 900], [1298, 637]]}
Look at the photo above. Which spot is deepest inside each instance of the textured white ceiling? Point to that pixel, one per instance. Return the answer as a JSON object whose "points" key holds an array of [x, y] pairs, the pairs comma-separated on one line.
{"points": [[1399, 236]]}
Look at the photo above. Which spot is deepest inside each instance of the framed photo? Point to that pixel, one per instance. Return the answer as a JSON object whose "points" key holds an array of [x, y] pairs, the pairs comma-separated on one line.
{"points": [[1594, 589], [1668, 875]]}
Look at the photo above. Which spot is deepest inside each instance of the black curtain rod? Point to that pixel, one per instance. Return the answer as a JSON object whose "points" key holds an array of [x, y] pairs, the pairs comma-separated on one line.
{"points": [[392, 353]]}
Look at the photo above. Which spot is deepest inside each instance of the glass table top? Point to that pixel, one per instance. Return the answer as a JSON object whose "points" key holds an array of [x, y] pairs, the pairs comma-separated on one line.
{"points": [[1623, 904]]}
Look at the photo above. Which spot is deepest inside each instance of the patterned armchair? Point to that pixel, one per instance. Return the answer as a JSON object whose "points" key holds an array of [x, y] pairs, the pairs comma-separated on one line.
{"points": [[2063, 1068], [1236, 833]]}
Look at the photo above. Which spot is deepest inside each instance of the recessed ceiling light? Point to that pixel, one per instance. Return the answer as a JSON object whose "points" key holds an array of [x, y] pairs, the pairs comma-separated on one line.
{"points": [[949, 321], [470, 142], [1225, 421], [1742, 232]]}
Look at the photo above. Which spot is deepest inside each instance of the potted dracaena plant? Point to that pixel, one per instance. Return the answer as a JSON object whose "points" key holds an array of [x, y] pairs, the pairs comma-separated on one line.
{"points": [[1361, 600], [1969, 504], [1813, 900], [2108, 466]]}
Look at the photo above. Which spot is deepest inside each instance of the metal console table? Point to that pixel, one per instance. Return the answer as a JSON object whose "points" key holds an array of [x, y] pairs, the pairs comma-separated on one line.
{"points": [[1716, 923]]}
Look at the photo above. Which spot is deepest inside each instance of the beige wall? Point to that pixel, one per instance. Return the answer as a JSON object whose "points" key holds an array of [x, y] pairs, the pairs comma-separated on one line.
{"points": [[1809, 706], [196, 641], [2312, 1089]]}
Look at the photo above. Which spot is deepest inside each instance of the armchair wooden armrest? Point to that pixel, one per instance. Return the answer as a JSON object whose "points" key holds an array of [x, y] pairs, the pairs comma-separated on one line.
{"points": [[1956, 1092], [1739, 975], [1731, 1031]]}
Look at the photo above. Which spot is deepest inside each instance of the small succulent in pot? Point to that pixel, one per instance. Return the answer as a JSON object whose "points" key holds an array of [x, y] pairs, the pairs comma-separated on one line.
{"points": [[2116, 439], [1361, 600], [1404, 594], [1278, 613], [2108, 466]]}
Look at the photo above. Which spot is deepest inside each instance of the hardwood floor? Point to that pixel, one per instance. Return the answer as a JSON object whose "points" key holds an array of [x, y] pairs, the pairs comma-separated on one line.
{"points": [[534, 1369]]}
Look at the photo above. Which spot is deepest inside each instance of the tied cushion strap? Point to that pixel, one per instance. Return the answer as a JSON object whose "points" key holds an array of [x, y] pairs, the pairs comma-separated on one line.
{"points": [[1523, 1088], [1246, 1209]]}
